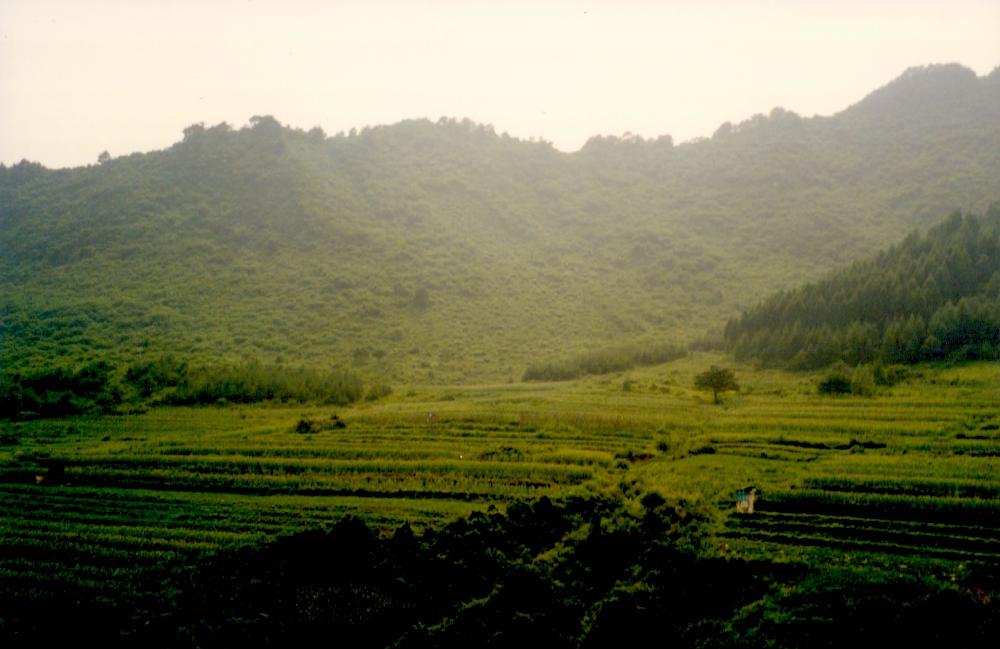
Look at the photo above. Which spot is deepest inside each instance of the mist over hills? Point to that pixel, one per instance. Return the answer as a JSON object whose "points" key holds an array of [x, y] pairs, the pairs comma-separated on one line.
{"points": [[443, 251]]}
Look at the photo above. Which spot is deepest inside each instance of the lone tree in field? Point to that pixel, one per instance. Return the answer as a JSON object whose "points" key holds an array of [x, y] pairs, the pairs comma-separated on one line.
{"points": [[716, 379]]}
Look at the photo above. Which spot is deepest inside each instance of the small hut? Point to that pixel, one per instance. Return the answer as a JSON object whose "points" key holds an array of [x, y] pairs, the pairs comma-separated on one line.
{"points": [[745, 499]]}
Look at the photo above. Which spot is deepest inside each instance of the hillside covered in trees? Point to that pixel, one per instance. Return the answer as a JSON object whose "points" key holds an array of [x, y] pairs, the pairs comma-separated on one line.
{"points": [[443, 251], [930, 297]]}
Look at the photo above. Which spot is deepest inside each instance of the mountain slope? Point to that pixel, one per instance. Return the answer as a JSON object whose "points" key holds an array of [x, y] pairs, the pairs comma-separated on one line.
{"points": [[443, 251], [928, 298]]}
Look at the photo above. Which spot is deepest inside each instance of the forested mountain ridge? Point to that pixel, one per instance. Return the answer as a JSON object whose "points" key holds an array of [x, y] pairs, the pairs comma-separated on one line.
{"points": [[930, 297], [443, 251]]}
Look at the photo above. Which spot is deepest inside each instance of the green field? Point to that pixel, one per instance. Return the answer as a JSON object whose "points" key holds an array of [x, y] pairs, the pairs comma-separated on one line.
{"points": [[909, 477]]}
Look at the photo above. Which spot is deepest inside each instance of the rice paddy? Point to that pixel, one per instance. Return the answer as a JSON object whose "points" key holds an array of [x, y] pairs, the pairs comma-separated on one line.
{"points": [[95, 503]]}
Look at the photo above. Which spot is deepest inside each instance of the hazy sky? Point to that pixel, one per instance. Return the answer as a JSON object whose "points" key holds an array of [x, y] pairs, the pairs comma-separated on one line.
{"points": [[78, 77]]}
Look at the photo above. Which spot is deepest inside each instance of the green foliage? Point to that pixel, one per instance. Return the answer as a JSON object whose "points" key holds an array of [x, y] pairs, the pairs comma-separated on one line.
{"points": [[98, 388], [931, 297], [836, 383], [254, 382], [459, 253], [888, 375], [717, 379], [604, 362], [861, 381], [59, 392], [378, 391], [148, 378]]}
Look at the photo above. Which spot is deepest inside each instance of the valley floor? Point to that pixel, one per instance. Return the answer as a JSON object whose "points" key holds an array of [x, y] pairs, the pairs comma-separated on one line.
{"points": [[907, 481]]}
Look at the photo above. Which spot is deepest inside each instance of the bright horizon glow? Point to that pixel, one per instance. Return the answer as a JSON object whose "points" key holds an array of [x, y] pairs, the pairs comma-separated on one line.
{"points": [[81, 77]]}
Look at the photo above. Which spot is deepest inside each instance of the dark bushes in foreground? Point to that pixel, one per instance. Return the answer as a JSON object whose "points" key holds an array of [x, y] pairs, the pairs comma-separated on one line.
{"points": [[580, 573]]}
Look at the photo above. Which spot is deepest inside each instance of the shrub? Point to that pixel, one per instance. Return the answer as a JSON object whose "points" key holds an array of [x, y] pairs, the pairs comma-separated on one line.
{"points": [[889, 375], [378, 391], [863, 381], [59, 392], [835, 384]]}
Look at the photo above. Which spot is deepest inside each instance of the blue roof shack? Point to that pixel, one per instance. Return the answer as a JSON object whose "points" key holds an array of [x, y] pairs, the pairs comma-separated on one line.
{"points": [[745, 499]]}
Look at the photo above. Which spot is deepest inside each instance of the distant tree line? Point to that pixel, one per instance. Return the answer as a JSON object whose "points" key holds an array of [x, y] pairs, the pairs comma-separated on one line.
{"points": [[101, 388], [931, 297], [604, 362]]}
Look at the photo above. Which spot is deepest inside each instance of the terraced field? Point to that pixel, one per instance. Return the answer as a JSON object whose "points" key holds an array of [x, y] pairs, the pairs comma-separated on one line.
{"points": [[99, 503], [915, 472], [123, 497]]}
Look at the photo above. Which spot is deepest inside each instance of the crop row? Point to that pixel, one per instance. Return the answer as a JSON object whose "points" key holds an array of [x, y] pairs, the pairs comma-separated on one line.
{"points": [[281, 466], [911, 487], [539, 453], [820, 521], [825, 540], [971, 540], [936, 509], [413, 486], [184, 508], [79, 537]]}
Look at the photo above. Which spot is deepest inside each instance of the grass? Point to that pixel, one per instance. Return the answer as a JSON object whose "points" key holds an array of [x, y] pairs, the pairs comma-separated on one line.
{"points": [[911, 472]]}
